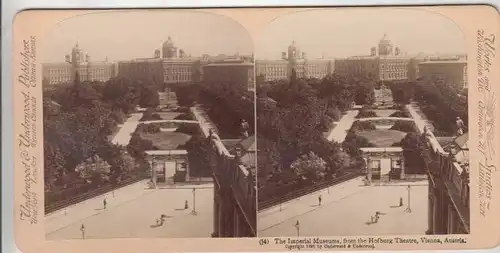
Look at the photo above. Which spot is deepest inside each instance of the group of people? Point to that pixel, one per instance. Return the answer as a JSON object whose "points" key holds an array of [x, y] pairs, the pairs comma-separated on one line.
{"points": [[374, 219], [161, 220]]}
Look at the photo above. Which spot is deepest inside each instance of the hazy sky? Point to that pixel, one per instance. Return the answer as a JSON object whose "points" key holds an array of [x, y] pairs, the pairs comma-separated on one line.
{"points": [[341, 33], [136, 34]]}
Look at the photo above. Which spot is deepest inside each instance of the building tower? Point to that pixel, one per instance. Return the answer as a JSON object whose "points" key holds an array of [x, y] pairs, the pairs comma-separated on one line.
{"points": [[169, 50], [75, 59], [385, 46]]}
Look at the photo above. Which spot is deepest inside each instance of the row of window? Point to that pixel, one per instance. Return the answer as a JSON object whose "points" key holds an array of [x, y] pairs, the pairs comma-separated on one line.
{"points": [[177, 77], [393, 66], [394, 75]]}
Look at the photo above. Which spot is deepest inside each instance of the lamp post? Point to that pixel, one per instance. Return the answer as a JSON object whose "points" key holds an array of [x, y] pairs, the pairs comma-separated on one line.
{"points": [[194, 202], [408, 209], [151, 161]]}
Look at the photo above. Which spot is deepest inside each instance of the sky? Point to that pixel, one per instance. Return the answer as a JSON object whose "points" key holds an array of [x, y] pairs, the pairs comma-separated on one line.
{"points": [[352, 32], [330, 33], [136, 34]]}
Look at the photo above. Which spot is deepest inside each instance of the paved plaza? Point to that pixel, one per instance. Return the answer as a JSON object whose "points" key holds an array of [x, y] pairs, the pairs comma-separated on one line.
{"points": [[346, 210], [132, 213]]}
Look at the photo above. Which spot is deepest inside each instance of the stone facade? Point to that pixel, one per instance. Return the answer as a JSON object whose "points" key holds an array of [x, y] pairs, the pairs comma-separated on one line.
{"points": [[449, 190], [451, 70], [234, 193], [388, 65], [270, 70], [238, 73], [63, 72], [376, 170]]}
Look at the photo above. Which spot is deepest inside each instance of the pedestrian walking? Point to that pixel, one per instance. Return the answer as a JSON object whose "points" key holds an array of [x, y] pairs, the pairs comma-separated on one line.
{"points": [[105, 203], [377, 216], [319, 200], [186, 205], [400, 201]]}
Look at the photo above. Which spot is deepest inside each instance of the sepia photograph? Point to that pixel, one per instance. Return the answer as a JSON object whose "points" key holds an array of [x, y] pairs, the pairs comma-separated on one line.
{"points": [[362, 124], [148, 126], [255, 129]]}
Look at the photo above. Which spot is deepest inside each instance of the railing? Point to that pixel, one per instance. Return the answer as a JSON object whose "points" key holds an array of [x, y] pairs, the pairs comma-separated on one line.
{"points": [[304, 191], [72, 200]]}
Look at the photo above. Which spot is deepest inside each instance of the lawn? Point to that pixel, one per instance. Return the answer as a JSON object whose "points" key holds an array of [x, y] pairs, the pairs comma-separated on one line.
{"points": [[382, 138], [168, 115], [167, 140], [384, 113]]}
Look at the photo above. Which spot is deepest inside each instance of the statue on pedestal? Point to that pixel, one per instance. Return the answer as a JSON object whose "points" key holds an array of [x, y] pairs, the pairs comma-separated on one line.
{"points": [[244, 128], [460, 126]]}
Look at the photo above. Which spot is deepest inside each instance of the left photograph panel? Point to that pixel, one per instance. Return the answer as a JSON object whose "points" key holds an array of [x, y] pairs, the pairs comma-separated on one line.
{"points": [[148, 126]]}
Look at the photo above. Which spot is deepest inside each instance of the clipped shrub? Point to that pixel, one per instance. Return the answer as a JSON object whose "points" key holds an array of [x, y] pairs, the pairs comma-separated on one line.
{"points": [[404, 126], [366, 114], [400, 114]]}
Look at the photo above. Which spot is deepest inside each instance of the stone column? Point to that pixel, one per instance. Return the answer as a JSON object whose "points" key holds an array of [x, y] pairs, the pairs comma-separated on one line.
{"points": [[402, 168], [153, 174]]}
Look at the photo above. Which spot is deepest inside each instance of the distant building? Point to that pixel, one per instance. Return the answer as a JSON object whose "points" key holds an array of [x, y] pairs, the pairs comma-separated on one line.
{"points": [[270, 70], [451, 70], [239, 72], [172, 65], [388, 65], [64, 72]]}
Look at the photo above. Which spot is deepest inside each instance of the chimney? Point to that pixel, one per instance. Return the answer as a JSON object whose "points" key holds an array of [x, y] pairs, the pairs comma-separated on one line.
{"points": [[373, 51], [397, 51], [283, 55]]}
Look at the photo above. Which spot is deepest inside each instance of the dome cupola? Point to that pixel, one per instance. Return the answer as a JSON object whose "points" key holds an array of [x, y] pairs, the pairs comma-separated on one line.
{"points": [[168, 49], [385, 46]]}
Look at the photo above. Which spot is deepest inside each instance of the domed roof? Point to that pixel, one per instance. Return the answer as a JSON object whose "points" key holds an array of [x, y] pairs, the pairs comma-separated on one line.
{"points": [[385, 40], [169, 42]]}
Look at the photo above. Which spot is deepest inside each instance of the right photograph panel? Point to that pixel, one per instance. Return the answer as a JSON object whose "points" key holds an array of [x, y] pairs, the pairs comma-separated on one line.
{"points": [[362, 124]]}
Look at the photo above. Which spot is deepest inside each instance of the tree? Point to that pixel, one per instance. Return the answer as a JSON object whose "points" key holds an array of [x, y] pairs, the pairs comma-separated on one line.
{"points": [[149, 95], [94, 170], [365, 93], [198, 151], [354, 142], [268, 161], [54, 166], [310, 166], [122, 94], [412, 145], [441, 103]]}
